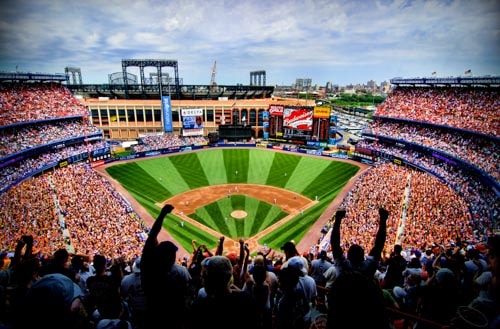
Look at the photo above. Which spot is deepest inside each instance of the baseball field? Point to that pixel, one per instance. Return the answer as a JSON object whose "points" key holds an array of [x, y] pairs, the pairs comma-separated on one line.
{"points": [[262, 196]]}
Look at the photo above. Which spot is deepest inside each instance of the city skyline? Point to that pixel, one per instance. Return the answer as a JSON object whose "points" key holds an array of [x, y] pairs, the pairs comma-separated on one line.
{"points": [[342, 42]]}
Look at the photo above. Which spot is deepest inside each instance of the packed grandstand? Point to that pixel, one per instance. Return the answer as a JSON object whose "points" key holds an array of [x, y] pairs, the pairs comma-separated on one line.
{"points": [[436, 147]]}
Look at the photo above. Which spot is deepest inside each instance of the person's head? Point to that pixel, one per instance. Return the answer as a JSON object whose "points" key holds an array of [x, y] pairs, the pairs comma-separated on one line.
{"points": [[259, 260], [99, 264], [356, 255], [446, 279], [259, 273], [322, 255], [289, 249], [414, 263], [52, 302], [414, 279], [472, 253], [233, 257], [297, 263], [288, 278], [397, 249], [61, 258], [198, 121], [217, 274], [166, 253]]}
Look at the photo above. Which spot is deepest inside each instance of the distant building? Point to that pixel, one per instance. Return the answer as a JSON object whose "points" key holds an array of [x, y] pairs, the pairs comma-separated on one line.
{"points": [[303, 84]]}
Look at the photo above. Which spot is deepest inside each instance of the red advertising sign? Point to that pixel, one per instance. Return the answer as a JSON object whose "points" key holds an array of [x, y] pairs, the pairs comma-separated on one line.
{"points": [[300, 119], [276, 110]]}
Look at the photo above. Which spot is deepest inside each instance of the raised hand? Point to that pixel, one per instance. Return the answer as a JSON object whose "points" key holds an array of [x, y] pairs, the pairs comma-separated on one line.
{"points": [[340, 213], [383, 213], [167, 209]]}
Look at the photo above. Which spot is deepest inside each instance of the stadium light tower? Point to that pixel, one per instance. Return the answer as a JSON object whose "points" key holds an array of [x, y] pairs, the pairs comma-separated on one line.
{"points": [[212, 80]]}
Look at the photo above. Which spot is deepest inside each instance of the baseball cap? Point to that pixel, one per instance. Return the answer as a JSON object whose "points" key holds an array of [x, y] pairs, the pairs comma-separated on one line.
{"points": [[54, 287], [217, 264], [218, 273], [168, 247], [297, 264], [445, 276], [233, 257]]}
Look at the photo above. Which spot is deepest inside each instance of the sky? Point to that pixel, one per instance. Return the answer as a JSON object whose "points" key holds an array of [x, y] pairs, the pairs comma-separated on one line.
{"points": [[342, 42]]}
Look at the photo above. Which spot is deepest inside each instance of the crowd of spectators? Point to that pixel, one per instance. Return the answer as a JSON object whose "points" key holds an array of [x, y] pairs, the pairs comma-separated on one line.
{"points": [[35, 115], [25, 102], [165, 141], [482, 201], [96, 216], [476, 150], [71, 291], [434, 215], [19, 170], [17, 139], [470, 109], [427, 216]]}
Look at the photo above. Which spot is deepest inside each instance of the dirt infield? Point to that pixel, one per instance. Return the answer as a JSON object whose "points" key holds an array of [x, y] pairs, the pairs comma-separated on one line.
{"points": [[187, 203], [290, 202]]}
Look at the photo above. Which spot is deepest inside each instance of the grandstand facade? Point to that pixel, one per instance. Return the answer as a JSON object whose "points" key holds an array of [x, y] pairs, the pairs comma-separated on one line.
{"points": [[129, 119]]}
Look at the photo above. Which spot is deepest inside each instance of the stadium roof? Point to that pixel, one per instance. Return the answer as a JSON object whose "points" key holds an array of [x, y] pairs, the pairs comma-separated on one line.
{"points": [[486, 81]]}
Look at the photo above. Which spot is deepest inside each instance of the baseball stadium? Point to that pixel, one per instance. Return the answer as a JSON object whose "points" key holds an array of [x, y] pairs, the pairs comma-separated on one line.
{"points": [[89, 168]]}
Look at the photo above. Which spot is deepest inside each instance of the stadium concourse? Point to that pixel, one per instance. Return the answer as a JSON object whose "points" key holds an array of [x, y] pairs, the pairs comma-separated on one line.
{"points": [[430, 157]]}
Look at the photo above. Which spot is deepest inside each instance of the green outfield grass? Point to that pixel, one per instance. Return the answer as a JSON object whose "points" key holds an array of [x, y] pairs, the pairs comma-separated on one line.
{"points": [[154, 180]]}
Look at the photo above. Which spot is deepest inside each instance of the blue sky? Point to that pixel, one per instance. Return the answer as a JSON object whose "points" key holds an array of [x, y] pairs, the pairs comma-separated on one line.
{"points": [[342, 42]]}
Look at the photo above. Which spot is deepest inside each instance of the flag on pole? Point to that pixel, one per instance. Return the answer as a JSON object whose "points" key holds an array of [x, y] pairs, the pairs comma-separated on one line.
{"points": [[468, 71]]}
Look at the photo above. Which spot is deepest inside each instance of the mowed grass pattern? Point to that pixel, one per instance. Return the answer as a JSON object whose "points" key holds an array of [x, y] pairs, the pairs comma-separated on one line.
{"points": [[154, 180]]}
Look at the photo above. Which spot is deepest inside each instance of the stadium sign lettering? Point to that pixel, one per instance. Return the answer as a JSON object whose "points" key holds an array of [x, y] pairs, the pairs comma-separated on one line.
{"points": [[276, 110], [191, 112]]}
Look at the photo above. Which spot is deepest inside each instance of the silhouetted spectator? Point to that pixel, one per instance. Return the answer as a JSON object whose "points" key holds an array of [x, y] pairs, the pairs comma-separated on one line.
{"points": [[53, 302], [132, 292], [224, 306], [166, 284]]}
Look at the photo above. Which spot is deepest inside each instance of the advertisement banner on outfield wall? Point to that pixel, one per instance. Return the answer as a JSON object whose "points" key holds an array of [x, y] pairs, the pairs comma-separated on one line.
{"points": [[167, 114]]}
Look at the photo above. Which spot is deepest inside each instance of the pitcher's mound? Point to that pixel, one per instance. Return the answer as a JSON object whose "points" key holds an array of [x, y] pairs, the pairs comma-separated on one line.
{"points": [[239, 214]]}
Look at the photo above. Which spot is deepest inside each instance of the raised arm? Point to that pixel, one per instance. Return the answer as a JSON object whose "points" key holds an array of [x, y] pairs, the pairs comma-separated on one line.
{"points": [[244, 268], [152, 239], [242, 253], [376, 251], [220, 246], [335, 236]]}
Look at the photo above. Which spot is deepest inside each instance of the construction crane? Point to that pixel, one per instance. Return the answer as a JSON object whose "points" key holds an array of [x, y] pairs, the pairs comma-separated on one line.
{"points": [[213, 84]]}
